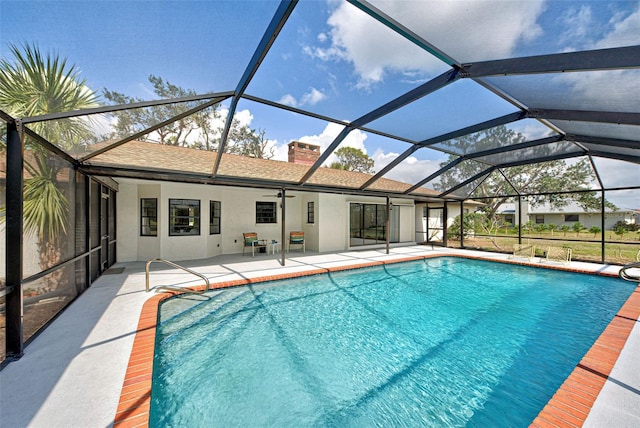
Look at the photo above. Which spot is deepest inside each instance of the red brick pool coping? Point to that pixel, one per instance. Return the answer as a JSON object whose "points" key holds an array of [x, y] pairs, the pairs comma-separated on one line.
{"points": [[568, 407]]}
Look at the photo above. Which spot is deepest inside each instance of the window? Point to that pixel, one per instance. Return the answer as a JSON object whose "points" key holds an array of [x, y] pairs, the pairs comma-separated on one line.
{"points": [[184, 217], [266, 212], [148, 217], [571, 217], [214, 217], [310, 213], [539, 219]]}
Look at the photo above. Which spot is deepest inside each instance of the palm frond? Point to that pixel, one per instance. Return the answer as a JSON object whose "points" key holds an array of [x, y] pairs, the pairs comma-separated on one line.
{"points": [[45, 208]]}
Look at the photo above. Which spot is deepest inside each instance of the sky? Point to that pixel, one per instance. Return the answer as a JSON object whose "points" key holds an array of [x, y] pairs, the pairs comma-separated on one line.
{"points": [[334, 60]]}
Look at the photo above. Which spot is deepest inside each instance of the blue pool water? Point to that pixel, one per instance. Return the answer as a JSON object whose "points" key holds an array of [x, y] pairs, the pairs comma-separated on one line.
{"points": [[444, 342]]}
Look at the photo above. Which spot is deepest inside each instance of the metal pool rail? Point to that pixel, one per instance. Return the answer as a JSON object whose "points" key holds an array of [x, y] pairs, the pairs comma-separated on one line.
{"points": [[168, 287], [624, 275]]}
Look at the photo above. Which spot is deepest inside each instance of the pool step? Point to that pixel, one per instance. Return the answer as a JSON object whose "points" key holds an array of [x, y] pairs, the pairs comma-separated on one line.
{"points": [[191, 329]]}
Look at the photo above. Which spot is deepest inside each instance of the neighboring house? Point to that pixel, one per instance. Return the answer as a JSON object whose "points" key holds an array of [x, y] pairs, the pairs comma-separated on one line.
{"points": [[182, 220], [566, 215]]}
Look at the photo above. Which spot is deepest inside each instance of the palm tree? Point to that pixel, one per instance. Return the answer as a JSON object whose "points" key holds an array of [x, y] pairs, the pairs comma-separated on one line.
{"points": [[33, 85], [552, 227]]}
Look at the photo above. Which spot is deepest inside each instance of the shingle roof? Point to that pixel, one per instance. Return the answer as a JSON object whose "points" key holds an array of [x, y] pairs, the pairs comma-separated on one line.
{"points": [[158, 157]]}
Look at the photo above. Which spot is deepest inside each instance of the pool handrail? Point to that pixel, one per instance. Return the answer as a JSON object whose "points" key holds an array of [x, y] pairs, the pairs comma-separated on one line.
{"points": [[169, 287], [624, 275]]}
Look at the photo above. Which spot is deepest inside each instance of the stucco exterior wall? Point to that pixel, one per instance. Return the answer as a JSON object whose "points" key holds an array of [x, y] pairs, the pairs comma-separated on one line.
{"points": [[333, 219], [311, 230], [333, 227], [407, 223], [238, 215], [127, 230], [328, 232]]}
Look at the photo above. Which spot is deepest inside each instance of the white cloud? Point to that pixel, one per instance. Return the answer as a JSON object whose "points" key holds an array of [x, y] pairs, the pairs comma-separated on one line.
{"points": [[313, 97], [244, 117], [280, 151], [531, 129], [374, 50], [625, 31], [612, 90], [101, 125], [411, 170], [577, 25], [616, 173], [355, 139], [288, 100], [607, 90]]}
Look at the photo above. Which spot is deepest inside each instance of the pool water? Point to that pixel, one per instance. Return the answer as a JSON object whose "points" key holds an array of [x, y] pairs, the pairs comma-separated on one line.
{"points": [[441, 342]]}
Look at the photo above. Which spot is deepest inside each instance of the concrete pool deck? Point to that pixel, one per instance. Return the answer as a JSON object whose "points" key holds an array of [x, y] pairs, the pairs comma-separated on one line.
{"points": [[73, 373]]}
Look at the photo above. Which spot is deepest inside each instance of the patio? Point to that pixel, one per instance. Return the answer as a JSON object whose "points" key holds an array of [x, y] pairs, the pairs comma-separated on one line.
{"points": [[81, 358]]}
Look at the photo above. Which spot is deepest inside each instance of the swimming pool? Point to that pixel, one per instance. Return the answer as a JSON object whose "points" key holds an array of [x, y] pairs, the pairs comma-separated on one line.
{"points": [[445, 342]]}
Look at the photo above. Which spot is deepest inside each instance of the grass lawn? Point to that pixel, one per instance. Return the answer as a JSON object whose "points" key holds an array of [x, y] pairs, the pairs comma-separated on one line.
{"points": [[618, 249]]}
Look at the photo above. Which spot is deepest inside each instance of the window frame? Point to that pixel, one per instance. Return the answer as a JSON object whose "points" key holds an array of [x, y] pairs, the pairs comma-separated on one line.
{"points": [[144, 215], [192, 229], [261, 218], [571, 218], [213, 210], [311, 214]]}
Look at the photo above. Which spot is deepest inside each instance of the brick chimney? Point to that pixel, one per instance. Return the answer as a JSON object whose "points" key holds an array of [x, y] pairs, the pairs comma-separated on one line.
{"points": [[303, 153]]}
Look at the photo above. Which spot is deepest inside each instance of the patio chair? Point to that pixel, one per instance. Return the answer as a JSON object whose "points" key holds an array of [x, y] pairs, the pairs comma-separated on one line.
{"points": [[523, 251], [250, 239], [296, 238], [557, 254]]}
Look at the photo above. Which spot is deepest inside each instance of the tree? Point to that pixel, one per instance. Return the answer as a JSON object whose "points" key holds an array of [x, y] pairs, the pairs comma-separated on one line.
{"points": [[477, 222], [540, 228], [352, 159], [577, 228], [201, 130], [249, 142], [135, 120], [595, 230], [31, 85], [532, 179], [620, 231], [529, 225]]}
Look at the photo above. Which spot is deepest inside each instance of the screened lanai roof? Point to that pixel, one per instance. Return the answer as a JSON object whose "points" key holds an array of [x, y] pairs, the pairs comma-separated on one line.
{"points": [[407, 82]]}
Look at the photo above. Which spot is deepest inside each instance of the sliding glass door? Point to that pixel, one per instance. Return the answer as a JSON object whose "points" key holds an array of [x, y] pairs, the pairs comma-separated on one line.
{"points": [[368, 224]]}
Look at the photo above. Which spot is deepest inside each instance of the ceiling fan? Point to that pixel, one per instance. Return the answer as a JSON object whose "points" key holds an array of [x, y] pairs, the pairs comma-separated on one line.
{"points": [[278, 195]]}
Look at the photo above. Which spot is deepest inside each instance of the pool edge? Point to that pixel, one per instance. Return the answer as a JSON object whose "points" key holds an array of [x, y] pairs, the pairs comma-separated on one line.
{"points": [[570, 405]]}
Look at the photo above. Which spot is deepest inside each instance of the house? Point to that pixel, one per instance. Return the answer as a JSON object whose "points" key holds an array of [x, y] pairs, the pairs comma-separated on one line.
{"points": [[566, 215], [179, 218]]}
